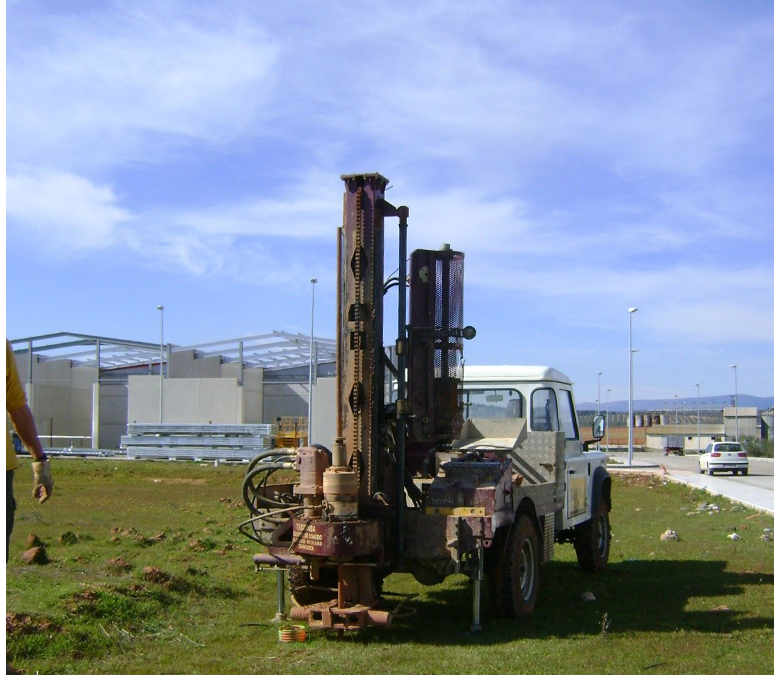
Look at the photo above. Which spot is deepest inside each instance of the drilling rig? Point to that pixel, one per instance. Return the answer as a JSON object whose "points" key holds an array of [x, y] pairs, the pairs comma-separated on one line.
{"points": [[409, 486]]}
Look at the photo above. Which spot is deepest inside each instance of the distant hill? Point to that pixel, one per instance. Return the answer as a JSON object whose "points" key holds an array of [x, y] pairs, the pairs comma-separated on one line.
{"points": [[706, 402]]}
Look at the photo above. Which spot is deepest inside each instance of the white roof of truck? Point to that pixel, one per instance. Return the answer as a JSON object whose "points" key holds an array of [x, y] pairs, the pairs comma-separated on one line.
{"points": [[513, 373]]}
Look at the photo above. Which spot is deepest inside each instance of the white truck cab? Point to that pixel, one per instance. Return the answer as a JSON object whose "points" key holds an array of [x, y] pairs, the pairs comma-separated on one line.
{"points": [[543, 396]]}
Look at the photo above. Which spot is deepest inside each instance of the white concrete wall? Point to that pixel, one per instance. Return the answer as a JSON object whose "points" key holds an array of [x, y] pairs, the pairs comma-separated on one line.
{"points": [[60, 398], [253, 395], [185, 401], [112, 415], [284, 400], [325, 411], [63, 415]]}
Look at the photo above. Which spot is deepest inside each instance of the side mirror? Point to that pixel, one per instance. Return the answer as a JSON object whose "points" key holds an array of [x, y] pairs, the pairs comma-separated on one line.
{"points": [[598, 427]]}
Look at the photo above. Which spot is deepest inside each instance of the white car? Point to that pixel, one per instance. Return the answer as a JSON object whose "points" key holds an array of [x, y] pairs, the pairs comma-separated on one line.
{"points": [[723, 456]]}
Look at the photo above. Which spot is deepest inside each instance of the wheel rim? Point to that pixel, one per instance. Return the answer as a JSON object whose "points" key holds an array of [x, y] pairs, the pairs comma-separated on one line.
{"points": [[527, 570], [603, 543]]}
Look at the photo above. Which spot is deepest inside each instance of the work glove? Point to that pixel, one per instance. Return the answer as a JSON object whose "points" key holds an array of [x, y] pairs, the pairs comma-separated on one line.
{"points": [[42, 481]]}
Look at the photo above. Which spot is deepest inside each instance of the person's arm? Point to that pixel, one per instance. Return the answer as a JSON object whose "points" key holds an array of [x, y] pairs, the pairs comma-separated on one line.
{"points": [[24, 423]]}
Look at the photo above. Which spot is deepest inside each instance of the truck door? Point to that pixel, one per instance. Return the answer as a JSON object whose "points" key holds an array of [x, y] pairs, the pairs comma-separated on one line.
{"points": [[553, 410], [578, 466]]}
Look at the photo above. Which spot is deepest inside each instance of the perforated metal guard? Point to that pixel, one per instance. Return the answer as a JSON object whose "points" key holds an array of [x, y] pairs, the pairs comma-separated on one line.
{"points": [[436, 322]]}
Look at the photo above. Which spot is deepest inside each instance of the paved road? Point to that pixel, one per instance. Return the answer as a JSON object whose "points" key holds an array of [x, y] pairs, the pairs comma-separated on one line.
{"points": [[755, 490]]}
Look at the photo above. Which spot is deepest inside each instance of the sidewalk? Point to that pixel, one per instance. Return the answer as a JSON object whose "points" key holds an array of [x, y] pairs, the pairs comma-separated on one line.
{"points": [[754, 497]]}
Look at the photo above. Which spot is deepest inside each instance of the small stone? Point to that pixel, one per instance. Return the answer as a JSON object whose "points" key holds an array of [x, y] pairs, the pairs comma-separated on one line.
{"points": [[35, 556], [734, 537], [669, 535], [587, 596], [33, 540]]}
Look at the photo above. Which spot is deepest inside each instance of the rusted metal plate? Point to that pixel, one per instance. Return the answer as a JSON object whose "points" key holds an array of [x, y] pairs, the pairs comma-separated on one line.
{"points": [[335, 539], [329, 615], [436, 536], [425, 536], [470, 532]]}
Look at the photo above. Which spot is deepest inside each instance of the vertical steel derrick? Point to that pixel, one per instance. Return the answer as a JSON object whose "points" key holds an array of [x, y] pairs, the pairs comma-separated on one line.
{"points": [[362, 294]]}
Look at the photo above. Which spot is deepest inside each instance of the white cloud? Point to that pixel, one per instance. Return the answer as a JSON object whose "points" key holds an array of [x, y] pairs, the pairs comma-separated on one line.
{"points": [[132, 84], [67, 214]]}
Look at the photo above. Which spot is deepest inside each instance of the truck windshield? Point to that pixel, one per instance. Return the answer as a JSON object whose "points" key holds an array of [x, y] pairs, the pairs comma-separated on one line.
{"points": [[482, 403]]}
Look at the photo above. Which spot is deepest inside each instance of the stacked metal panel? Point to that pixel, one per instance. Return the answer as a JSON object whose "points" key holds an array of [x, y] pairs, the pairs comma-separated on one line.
{"points": [[198, 441]]}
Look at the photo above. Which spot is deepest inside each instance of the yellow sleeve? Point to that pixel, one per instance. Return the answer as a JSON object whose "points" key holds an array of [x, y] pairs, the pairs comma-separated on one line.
{"points": [[14, 398]]}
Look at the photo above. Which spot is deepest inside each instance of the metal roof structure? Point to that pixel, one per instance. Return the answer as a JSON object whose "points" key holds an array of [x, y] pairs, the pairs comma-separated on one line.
{"points": [[273, 351]]}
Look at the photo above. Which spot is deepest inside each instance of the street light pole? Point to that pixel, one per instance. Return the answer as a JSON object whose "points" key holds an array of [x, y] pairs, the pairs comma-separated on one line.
{"points": [[598, 407], [598, 400], [736, 404], [311, 367], [631, 311], [698, 418], [606, 411], [162, 315]]}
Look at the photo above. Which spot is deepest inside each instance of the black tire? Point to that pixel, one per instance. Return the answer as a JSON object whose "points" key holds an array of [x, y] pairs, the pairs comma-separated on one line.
{"points": [[710, 471], [734, 472], [593, 539], [701, 470], [517, 572], [744, 472]]}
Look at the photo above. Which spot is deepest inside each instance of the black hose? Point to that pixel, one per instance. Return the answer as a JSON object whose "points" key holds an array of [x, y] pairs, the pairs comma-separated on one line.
{"points": [[249, 489]]}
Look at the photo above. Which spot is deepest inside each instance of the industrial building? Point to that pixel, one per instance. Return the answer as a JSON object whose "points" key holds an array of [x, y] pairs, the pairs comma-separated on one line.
{"points": [[85, 390]]}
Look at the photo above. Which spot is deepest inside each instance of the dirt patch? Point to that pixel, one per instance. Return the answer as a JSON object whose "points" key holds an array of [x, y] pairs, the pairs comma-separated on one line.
{"points": [[68, 538], [168, 581], [23, 624], [647, 480], [180, 481], [201, 545], [119, 564], [231, 503]]}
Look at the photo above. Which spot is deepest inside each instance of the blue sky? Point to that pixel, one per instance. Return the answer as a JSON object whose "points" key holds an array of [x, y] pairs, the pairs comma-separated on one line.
{"points": [[587, 158]]}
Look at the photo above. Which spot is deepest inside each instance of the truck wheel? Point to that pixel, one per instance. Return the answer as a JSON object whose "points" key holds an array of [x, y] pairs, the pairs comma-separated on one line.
{"points": [[517, 573], [592, 540]]}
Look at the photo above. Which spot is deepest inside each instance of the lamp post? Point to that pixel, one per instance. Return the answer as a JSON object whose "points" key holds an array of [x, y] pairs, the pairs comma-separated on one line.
{"points": [[598, 406], [598, 400], [736, 404], [311, 367], [606, 411], [676, 423], [162, 316], [698, 418], [631, 311]]}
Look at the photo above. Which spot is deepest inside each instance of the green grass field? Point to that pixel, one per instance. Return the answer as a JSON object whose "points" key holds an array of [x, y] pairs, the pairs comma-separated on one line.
{"points": [[700, 604]]}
